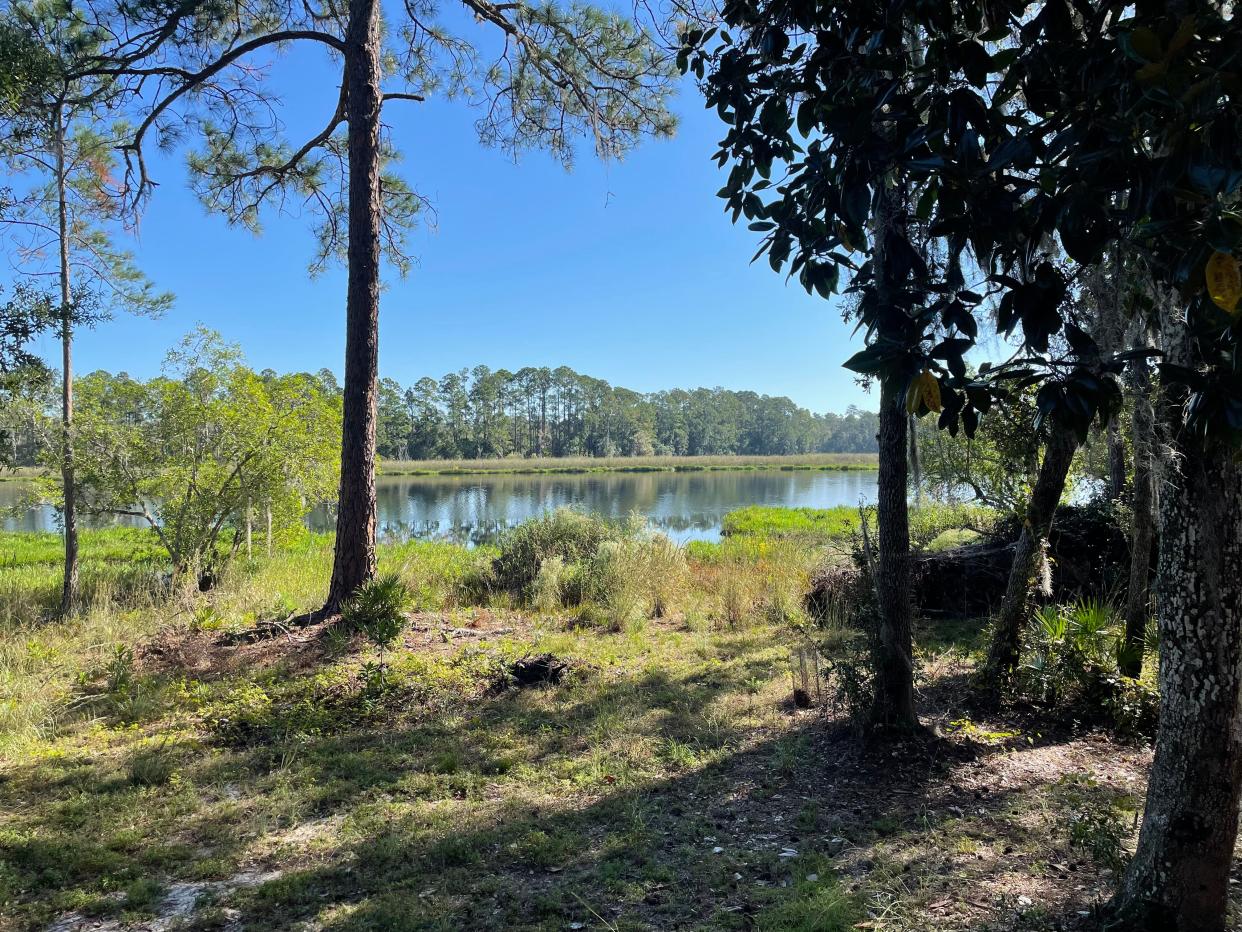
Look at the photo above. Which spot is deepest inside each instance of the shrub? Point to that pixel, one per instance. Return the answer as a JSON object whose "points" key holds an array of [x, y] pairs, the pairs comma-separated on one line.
{"points": [[548, 589], [569, 535], [1075, 658], [378, 609]]}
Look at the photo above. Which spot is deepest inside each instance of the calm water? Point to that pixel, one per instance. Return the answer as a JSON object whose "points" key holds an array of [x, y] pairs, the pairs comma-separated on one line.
{"points": [[473, 509]]}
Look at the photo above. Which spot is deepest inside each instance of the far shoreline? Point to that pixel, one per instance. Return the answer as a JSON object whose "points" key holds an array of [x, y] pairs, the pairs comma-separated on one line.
{"points": [[577, 465], [569, 465]]}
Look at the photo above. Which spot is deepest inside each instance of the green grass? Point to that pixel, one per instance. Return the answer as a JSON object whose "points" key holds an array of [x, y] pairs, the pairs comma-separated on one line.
{"points": [[109, 545], [934, 526], [763, 521], [22, 473], [428, 800], [589, 464], [664, 782]]}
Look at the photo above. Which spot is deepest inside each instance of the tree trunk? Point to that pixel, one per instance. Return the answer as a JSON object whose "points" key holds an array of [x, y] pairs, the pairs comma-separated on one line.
{"points": [[893, 705], [1004, 654], [69, 591], [1116, 460], [354, 560], [1179, 877], [1142, 501], [916, 463]]}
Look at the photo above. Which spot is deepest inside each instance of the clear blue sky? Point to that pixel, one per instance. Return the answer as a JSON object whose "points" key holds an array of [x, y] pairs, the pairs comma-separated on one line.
{"points": [[627, 271]]}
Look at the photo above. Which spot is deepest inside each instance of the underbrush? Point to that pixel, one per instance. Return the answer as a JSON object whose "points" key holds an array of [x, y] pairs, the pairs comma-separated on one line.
{"points": [[1074, 657]]}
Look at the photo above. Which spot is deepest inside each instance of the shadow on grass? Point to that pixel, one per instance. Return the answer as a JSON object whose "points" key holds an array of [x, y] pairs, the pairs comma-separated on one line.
{"points": [[618, 802]]}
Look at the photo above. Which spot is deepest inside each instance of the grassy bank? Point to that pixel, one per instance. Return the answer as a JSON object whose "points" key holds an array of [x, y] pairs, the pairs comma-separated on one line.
{"points": [[588, 464], [22, 474], [161, 763], [931, 526]]}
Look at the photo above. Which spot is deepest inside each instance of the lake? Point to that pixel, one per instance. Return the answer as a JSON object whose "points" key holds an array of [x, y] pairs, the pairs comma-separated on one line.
{"points": [[474, 509]]}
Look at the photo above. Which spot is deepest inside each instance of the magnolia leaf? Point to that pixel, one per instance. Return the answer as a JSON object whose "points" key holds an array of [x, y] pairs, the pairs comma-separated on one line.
{"points": [[1224, 281]]}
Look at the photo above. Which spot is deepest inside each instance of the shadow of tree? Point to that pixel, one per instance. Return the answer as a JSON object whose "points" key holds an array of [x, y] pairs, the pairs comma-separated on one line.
{"points": [[617, 801]]}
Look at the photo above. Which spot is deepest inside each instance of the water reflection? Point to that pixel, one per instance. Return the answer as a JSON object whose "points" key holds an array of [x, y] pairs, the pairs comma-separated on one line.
{"points": [[686, 506], [475, 509]]}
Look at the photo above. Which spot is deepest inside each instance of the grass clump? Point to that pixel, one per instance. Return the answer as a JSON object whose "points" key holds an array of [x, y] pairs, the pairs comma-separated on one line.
{"points": [[568, 535]]}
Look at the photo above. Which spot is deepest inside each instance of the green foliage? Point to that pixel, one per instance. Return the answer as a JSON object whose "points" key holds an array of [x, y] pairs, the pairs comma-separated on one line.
{"points": [[378, 609], [760, 520], [204, 448], [465, 414], [1096, 819], [569, 535], [1074, 657], [930, 132]]}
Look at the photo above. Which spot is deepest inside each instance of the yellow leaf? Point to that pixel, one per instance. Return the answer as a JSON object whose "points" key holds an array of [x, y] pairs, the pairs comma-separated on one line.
{"points": [[924, 391], [913, 394], [1151, 71], [1224, 281], [931, 392]]}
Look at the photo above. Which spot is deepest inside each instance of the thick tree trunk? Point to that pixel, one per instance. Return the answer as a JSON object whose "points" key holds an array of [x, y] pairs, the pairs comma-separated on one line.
{"points": [[1142, 501], [69, 591], [893, 705], [1005, 652], [354, 560], [1179, 878]]}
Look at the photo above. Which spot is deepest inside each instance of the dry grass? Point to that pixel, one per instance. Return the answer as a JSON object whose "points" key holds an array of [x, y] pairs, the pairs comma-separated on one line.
{"points": [[586, 464]]}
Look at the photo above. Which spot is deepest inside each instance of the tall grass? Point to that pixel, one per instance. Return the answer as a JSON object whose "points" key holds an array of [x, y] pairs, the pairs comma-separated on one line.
{"points": [[588, 464], [610, 576]]}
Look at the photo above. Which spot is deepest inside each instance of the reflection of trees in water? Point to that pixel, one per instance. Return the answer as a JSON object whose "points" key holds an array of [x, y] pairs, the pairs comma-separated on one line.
{"points": [[474, 510]]}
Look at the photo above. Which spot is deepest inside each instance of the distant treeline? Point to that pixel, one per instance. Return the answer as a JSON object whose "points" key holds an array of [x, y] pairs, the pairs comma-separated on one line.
{"points": [[480, 413]]}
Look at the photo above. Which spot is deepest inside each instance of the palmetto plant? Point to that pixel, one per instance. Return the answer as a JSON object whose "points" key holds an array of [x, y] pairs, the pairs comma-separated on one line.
{"points": [[1077, 648], [378, 610]]}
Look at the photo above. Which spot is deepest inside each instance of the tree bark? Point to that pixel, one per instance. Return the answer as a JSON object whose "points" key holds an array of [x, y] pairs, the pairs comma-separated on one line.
{"points": [[893, 702], [69, 591], [1005, 651], [354, 560], [1142, 502], [916, 462], [1116, 460], [1179, 877]]}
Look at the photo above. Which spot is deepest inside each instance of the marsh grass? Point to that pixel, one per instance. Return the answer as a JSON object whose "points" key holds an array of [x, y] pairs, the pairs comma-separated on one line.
{"points": [[590, 464]]}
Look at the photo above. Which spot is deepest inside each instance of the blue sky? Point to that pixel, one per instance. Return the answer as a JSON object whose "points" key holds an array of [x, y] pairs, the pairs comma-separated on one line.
{"points": [[627, 271]]}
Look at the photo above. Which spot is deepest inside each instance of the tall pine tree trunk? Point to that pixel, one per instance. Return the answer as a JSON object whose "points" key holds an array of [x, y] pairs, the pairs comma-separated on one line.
{"points": [[354, 561], [1179, 878], [1142, 505], [893, 705], [69, 591], [1004, 654]]}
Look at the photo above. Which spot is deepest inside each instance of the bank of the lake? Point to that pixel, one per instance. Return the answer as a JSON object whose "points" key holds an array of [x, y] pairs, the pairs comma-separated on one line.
{"points": [[475, 508], [592, 464]]}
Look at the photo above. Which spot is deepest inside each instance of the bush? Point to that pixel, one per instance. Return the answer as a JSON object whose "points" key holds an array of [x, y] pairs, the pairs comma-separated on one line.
{"points": [[378, 609], [631, 580], [569, 535], [1075, 658]]}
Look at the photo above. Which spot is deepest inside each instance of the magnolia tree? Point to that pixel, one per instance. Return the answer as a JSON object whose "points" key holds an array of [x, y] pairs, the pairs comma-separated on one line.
{"points": [[1006, 134], [198, 451]]}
